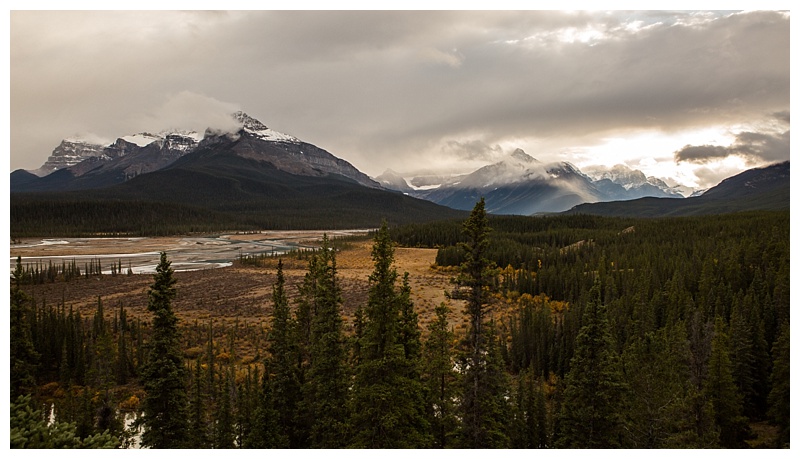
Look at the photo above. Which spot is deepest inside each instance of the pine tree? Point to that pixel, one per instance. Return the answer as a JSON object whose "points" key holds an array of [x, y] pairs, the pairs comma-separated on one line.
{"points": [[591, 415], [409, 327], [326, 388], [267, 431], [246, 402], [529, 428], [440, 379], [198, 425], [483, 390], [284, 383], [30, 429], [224, 435], [164, 408], [705, 432], [657, 374], [743, 358], [779, 396], [721, 390], [24, 357], [124, 365], [388, 407]]}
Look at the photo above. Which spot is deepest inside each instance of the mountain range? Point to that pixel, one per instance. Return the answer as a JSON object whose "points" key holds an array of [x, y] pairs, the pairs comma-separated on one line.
{"points": [[252, 178], [523, 185], [78, 165], [256, 177], [764, 188]]}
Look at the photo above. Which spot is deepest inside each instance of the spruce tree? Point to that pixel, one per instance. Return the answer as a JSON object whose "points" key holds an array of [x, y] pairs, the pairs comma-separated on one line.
{"points": [[779, 396], [705, 432], [388, 406], [326, 388], [248, 396], [743, 358], [483, 390], [24, 357], [440, 379], [267, 431], [30, 429], [198, 425], [409, 328], [721, 390], [164, 408], [224, 428], [283, 388], [656, 372], [529, 428], [591, 415]]}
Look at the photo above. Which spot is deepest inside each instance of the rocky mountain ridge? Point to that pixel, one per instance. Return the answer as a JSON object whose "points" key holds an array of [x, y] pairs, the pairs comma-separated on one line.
{"points": [[82, 165]]}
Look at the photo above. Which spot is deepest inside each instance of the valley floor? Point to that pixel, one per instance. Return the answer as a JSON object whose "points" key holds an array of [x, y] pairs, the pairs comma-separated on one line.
{"points": [[242, 294]]}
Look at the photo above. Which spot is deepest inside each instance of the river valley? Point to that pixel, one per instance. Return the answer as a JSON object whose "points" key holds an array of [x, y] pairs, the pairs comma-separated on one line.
{"points": [[141, 254]]}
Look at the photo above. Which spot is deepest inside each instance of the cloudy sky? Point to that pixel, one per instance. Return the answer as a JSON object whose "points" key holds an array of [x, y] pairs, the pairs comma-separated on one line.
{"points": [[689, 96]]}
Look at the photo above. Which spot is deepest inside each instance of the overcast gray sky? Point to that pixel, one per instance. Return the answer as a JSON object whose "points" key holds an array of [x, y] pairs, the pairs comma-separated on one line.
{"points": [[691, 96]]}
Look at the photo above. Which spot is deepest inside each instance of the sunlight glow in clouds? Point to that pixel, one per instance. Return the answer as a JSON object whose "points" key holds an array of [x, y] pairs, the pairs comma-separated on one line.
{"points": [[653, 153]]}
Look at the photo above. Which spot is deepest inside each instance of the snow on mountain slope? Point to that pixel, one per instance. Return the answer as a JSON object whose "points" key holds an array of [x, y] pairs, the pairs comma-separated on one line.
{"points": [[68, 153], [258, 129], [519, 184], [635, 182], [391, 180], [134, 155]]}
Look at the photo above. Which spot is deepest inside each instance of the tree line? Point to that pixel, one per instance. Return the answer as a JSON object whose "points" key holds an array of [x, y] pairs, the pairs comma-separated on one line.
{"points": [[618, 341]]}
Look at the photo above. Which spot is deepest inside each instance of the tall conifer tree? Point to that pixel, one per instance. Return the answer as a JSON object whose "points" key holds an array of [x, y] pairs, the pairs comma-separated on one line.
{"points": [[440, 379], [267, 431], [388, 406], [779, 396], [23, 354], [721, 390], [326, 388], [164, 408], [284, 381], [591, 415], [198, 426], [482, 418]]}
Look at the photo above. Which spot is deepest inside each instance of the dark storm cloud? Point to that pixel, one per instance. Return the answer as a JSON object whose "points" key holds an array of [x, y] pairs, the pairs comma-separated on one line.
{"points": [[782, 117], [755, 147], [392, 89], [702, 153]]}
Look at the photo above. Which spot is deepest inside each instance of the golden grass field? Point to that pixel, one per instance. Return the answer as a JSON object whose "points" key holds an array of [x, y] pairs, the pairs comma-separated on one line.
{"points": [[243, 294]]}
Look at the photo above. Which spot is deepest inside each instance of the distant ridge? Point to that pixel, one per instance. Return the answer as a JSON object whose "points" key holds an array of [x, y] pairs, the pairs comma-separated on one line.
{"points": [[764, 188], [522, 185]]}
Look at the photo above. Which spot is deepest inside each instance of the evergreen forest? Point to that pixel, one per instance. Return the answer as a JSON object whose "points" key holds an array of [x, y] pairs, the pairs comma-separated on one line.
{"points": [[582, 332]]}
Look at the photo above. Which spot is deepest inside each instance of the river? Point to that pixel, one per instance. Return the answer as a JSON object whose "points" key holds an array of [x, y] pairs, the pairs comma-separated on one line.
{"points": [[141, 254]]}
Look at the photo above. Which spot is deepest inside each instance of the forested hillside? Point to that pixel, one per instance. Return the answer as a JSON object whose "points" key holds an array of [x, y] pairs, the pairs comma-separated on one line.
{"points": [[580, 331], [699, 302]]}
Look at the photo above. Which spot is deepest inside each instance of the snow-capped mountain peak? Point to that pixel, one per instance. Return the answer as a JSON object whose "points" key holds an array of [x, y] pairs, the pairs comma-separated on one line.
{"points": [[68, 153], [520, 156], [620, 174], [142, 139], [634, 181], [259, 129], [393, 181]]}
